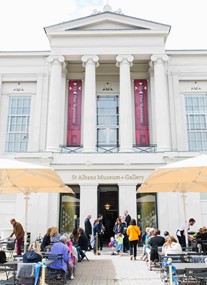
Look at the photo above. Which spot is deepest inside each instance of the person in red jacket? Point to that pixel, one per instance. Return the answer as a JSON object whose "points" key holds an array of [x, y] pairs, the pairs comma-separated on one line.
{"points": [[133, 232]]}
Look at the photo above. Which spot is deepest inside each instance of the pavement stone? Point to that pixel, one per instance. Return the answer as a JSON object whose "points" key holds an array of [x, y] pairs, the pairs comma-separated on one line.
{"points": [[107, 269]]}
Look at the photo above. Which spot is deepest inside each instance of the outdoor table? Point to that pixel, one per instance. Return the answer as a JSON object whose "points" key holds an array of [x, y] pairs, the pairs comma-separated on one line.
{"points": [[7, 268], [180, 267]]}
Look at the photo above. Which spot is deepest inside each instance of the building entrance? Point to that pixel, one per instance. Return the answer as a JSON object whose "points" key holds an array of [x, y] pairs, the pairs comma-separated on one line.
{"points": [[108, 207]]}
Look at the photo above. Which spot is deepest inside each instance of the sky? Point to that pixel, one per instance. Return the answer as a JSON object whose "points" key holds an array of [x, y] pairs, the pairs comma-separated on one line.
{"points": [[22, 22]]}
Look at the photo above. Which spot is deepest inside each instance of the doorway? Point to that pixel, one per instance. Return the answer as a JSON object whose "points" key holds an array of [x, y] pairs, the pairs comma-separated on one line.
{"points": [[108, 207]]}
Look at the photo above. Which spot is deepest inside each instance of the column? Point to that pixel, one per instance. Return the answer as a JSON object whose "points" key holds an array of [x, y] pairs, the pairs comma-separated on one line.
{"points": [[54, 106], [127, 200], [89, 110], [125, 103], [162, 118], [88, 203]]}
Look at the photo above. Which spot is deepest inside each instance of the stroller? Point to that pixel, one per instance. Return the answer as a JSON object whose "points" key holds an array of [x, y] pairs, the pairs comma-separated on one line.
{"points": [[8, 245]]}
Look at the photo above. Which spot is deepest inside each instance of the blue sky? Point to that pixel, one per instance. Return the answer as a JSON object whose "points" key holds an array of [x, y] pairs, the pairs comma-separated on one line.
{"points": [[22, 21]]}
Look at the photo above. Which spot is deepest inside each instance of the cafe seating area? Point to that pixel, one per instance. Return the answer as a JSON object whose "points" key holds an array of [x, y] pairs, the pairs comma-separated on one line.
{"points": [[188, 267], [15, 272]]}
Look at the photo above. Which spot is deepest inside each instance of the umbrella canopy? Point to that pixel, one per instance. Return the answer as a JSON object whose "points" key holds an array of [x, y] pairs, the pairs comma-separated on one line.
{"points": [[189, 175], [18, 177]]}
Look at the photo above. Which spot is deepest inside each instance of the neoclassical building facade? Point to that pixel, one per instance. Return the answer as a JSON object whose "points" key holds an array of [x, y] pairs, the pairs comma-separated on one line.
{"points": [[104, 107]]}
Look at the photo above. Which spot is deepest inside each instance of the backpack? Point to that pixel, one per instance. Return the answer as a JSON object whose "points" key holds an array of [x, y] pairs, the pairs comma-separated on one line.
{"points": [[2, 256]]}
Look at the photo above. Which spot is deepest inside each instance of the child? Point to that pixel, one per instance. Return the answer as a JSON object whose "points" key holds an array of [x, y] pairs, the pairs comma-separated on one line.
{"points": [[112, 244], [71, 265], [120, 243]]}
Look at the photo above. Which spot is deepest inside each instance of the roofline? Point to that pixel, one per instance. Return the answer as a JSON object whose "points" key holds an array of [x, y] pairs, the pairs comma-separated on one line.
{"points": [[107, 12], [48, 52]]}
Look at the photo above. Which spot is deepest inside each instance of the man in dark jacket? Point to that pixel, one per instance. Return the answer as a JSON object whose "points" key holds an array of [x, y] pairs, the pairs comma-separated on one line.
{"points": [[127, 217], [88, 230]]}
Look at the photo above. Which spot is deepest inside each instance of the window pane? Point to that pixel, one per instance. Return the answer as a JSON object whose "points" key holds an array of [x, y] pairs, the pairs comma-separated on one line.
{"points": [[196, 115], [107, 120], [18, 124]]}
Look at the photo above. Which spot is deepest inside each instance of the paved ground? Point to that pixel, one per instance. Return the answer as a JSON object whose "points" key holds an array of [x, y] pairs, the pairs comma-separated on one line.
{"points": [[107, 269]]}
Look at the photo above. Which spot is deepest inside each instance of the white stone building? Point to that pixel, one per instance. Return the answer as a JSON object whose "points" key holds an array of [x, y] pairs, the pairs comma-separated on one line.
{"points": [[104, 107]]}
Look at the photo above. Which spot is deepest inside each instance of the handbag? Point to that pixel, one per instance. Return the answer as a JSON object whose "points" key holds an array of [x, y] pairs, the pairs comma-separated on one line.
{"points": [[2, 256], [31, 255]]}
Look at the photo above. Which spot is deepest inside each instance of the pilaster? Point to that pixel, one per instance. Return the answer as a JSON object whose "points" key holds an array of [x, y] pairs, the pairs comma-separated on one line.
{"points": [[125, 103], [54, 105], [161, 102], [89, 112]]}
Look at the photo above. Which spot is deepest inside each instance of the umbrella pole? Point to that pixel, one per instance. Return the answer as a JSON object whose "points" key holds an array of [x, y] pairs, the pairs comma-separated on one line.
{"points": [[26, 215], [186, 223]]}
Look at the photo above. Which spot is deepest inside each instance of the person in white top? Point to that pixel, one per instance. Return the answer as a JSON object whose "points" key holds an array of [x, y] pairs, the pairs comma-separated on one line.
{"points": [[181, 232], [171, 246]]}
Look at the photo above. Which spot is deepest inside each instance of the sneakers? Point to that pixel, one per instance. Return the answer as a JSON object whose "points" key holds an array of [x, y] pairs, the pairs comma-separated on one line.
{"points": [[131, 257], [72, 277]]}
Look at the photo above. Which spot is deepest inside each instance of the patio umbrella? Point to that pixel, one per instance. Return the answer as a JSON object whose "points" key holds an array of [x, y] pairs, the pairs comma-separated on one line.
{"points": [[18, 177], [189, 175]]}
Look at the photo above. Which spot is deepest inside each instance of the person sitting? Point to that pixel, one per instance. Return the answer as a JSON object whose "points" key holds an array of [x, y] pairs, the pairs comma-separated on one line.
{"points": [[71, 265], [54, 235], [60, 248], [74, 237], [200, 237], [46, 240], [82, 244], [171, 246], [32, 255]]}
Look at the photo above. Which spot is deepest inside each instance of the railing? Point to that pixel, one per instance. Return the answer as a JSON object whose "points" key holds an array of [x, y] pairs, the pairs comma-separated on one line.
{"points": [[70, 149], [108, 149], [147, 149]]}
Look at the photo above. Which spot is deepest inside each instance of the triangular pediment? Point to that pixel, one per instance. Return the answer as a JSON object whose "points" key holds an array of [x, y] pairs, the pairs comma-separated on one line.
{"points": [[106, 21]]}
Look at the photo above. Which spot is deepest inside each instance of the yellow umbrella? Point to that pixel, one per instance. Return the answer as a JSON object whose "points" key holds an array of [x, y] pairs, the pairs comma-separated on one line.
{"points": [[189, 175], [18, 177]]}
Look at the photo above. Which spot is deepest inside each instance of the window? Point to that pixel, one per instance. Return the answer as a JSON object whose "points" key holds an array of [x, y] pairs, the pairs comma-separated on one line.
{"points": [[17, 132], [70, 210], [147, 210], [196, 120], [107, 121]]}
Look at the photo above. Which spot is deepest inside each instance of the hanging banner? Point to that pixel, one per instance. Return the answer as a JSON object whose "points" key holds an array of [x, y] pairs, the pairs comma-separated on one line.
{"points": [[74, 113], [141, 112]]}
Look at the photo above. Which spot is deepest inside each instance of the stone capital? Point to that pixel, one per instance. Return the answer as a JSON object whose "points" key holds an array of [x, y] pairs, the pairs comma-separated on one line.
{"points": [[90, 59], [124, 58], [56, 59], [159, 57]]}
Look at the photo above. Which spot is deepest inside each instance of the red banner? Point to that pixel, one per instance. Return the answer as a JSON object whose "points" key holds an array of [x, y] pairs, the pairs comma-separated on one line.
{"points": [[141, 112], [74, 113]]}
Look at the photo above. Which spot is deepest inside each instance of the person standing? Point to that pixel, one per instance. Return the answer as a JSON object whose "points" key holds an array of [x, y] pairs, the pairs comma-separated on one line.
{"points": [[181, 232], [133, 232], [127, 217], [18, 231], [101, 231], [96, 234], [88, 230]]}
